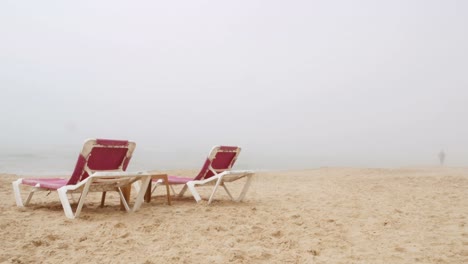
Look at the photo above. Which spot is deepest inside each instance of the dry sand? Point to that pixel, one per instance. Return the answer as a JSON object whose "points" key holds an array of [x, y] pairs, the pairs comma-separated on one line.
{"points": [[327, 215]]}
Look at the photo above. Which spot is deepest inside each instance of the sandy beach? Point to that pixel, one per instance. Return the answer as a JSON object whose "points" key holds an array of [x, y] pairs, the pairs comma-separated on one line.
{"points": [[326, 215]]}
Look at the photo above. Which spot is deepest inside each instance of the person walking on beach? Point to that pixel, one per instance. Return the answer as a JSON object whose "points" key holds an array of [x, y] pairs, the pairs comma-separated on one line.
{"points": [[442, 157]]}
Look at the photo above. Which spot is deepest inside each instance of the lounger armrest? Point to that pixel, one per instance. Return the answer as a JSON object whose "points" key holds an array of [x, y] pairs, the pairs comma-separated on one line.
{"points": [[225, 173], [236, 172], [103, 174]]}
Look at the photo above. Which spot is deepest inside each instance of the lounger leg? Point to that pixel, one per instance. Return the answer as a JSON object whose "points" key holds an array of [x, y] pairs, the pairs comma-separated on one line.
{"points": [[103, 199], [148, 192], [157, 183], [154, 189], [124, 200], [126, 191], [141, 194], [65, 203], [245, 189], [168, 193], [84, 193], [227, 191], [137, 186], [191, 187], [218, 182], [184, 189], [17, 192], [31, 193]]}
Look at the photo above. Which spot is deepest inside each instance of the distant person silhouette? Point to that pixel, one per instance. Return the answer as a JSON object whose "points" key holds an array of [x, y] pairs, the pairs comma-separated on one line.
{"points": [[442, 157]]}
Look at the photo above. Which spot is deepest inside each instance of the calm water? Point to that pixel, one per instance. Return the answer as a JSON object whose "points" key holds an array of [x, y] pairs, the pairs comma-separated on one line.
{"points": [[62, 161]]}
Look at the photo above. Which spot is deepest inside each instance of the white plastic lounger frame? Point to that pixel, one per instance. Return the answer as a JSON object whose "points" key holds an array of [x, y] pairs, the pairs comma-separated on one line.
{"points": [[218, 176], [220, 180], [97, 182], [216, 180]]}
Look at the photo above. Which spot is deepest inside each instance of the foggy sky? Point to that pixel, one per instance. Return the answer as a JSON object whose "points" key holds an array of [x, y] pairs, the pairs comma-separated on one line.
{"points": [[297, 84]]}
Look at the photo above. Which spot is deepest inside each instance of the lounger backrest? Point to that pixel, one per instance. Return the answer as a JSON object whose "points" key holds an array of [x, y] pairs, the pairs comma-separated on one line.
{"points": [[220, 159], [102, 155]]}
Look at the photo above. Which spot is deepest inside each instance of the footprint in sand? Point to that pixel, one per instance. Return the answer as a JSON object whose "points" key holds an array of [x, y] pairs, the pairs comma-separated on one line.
{"points": [[277, 234], [400, 249], [120, 225], [38, 243]]}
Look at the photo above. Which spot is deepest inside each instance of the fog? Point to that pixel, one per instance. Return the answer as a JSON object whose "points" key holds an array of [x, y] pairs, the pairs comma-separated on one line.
{"points": [[297, 84]]}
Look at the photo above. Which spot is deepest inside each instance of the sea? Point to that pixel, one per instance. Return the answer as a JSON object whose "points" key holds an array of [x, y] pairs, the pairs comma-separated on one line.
{"points": [[61, 162]]}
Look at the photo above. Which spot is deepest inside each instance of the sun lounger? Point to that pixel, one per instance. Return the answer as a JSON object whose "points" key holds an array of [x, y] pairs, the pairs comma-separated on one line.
{"points": [[215, 172], [100, 167]]}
